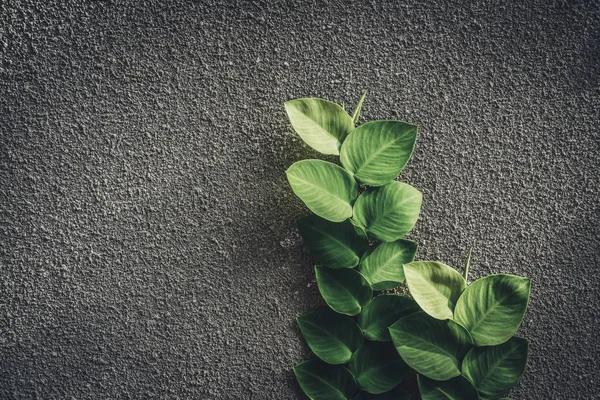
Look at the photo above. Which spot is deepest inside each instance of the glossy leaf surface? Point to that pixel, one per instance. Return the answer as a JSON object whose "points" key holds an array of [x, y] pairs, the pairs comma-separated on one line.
{"points": [[321, 381], [383, 267], [493, 307], [436, 287], [326, 188], [333, 245], [395, 394], [376, 152], [323, 125], [458, 388], [331, 336], [377, 367], [494, 370], [431, 347], [383, 311], [389, 212], [346, 291]]}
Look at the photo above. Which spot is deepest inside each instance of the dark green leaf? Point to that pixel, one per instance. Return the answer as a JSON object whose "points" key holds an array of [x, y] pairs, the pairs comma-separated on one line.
{"points": [[377, 151], [346, 291], [431, 347], [458, 388], [493, 307], [389, 212], [321, 381], [436, 287], [377, 367], [395, 394], [495, 370], [383, 266], [331, 336], [326, 189], [382, 312], [323, 125], [333, 245]]}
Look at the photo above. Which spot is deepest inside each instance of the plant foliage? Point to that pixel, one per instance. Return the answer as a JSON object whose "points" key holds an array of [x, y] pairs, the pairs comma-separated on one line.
{"points": [[448, 340]]}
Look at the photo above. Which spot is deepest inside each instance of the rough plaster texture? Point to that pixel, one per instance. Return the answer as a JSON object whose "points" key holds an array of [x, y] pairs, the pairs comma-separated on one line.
{"points": [[148, 247]]}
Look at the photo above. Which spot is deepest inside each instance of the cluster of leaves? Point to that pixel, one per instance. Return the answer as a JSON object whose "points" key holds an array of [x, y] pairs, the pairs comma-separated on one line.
{"points": [[457, 340]]}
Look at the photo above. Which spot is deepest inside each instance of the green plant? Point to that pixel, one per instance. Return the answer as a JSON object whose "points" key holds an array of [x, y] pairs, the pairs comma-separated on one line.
{"points": [[449, 340]]}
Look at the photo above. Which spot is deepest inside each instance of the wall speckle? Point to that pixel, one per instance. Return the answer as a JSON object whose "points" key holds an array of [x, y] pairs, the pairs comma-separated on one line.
{"points": [[148, 247]]}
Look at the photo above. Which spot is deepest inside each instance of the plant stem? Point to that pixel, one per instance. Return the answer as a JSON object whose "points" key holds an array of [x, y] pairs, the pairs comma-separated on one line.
{"points": [[467, 263]]}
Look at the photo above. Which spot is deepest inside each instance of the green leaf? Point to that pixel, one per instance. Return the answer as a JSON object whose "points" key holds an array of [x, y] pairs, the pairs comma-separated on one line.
{"points": [[457, 388], [382, 312], [495, 370], [333, 245], [389, 212], [326, 189], [346, 291], [331, 336], [376, 152], [493, 307], [321, 381], [436, 287], [323, 125], [377, 367], [431, 347], [356, 112], [383, 266]]}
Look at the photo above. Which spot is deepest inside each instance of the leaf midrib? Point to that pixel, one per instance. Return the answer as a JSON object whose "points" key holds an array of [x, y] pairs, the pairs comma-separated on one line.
{"points": [[490, 310], [432, 345], [321, 189], [325, 382], [495, 364], [314, 325], [317, 125], [335, 239], [377, 153]]}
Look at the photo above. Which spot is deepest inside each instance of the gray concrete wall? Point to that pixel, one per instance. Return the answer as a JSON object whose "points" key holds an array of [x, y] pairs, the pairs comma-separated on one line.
{"points": [[148, 244]]}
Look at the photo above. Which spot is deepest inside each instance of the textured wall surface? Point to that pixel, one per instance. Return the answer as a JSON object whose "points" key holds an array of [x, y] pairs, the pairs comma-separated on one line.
{"points": [[148, 246]]}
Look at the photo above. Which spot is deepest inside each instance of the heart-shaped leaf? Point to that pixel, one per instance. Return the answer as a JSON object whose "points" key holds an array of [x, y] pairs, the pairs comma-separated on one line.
{"points": [[493, 307], [436, 287], [458, 388], [383, 311], [323, 125], [383, 266], [321, 381], [431, 347], [333, 245], [377, 367], [331, 336], [346, 291], [377, 151], [326, 189], [494, 370], [389, 212]]}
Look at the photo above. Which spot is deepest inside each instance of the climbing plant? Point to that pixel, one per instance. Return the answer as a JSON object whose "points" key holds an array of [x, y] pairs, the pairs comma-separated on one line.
{"points": [[448, 339]]}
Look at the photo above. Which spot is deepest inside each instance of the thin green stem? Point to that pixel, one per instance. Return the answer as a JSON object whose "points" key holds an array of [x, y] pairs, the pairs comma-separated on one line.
{"points": [[467, 264]]}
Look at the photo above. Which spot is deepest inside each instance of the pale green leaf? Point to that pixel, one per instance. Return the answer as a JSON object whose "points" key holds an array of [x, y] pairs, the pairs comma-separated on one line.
{"points": [[383, 311], [323, 125], [376, 152], [458, 388], [321, 381], [436, 287], [382, 267], [326, 188], [356, 113], [346, 291], [331, 336], [334, 245], [377, 367], [493, 307], [494, 370], [431, 347], [389, 212]]}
